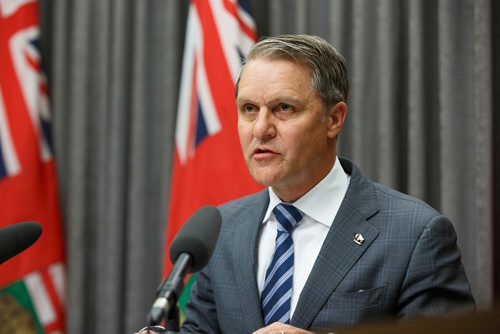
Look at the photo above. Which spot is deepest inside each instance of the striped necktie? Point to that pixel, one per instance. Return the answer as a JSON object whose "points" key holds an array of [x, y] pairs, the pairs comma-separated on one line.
{"points": [[277, 294]]}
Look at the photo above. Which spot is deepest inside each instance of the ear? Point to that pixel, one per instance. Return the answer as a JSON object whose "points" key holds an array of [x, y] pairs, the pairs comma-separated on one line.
{"points": [[335, 119]]}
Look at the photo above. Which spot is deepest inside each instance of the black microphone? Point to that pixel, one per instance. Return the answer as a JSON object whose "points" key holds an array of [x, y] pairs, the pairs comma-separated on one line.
{"points": [[17, 237], [191, 249]]}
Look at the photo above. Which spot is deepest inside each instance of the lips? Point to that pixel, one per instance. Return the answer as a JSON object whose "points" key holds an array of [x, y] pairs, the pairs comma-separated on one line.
{"points": [[262, 150], [263, 153]]}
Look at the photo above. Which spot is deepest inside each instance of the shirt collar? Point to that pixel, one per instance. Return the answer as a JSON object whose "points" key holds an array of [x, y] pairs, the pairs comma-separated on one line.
{"points": [[322, 202]]}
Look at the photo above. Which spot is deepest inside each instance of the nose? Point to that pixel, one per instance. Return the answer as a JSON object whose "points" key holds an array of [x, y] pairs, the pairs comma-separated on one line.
{"points": [[264, 126]]}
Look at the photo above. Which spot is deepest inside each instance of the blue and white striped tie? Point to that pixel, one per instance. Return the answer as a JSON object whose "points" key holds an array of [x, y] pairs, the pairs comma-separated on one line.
{"points": [[277, 294]]}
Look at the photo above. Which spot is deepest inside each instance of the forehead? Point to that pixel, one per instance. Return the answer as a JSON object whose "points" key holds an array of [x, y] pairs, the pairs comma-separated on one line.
{"points": [[269, 74]]}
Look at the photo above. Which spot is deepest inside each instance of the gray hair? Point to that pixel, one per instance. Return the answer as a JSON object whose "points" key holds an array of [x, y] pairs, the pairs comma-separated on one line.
{"points": [[328, 70]]}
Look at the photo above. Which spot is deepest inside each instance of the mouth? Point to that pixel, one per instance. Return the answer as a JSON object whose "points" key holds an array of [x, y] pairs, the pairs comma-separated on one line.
{"points": [[263, 153]]}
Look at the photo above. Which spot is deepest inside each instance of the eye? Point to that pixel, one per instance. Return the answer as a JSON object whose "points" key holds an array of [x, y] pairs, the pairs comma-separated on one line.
{"points": [[284, 109], [248, 108]]}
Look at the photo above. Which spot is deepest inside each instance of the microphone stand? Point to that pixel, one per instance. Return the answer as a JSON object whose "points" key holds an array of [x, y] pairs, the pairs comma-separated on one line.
{"points": [[172, 323]]}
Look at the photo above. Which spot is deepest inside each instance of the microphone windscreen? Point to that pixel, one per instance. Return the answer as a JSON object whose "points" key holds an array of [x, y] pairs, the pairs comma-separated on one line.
{"points": [[16, 238], [198, 237]]}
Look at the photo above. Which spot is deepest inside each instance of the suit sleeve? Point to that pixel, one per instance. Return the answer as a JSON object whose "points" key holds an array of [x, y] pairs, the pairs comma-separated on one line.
{"points": [[201, 314], [435, 280]]}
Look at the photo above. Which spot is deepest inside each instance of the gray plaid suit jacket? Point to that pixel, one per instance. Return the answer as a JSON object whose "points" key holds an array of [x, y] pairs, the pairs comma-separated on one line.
{"points": [[408, 264]]}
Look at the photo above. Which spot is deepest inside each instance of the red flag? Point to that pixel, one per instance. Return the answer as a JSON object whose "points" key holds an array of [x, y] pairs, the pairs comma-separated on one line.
{"points": [[32, 282], [209, 168]]}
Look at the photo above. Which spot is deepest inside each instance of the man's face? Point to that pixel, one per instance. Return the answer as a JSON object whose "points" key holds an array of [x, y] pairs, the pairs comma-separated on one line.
{"points": [[287, 141]]}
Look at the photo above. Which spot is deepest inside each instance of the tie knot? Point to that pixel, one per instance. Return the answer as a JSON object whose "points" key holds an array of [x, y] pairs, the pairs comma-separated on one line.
{"points": [[287, 216]]}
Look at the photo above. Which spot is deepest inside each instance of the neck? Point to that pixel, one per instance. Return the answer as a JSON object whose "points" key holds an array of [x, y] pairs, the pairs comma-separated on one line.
{"points": [[291, 192]]}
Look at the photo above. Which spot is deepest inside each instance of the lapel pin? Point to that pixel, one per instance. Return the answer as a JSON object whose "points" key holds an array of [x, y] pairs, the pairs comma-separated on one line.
{"points": [[358, 238]]}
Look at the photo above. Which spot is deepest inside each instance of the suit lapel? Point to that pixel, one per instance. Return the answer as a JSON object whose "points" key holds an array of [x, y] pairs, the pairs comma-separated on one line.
{"points": [[246, 234], [339, 252]]}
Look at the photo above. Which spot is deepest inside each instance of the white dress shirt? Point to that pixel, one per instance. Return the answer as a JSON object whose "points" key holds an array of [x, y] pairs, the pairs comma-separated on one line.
{"points": [[320, 206]]}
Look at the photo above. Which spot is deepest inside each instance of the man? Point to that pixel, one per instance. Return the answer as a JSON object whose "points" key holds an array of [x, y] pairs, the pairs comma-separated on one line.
{"points": [[339, 249]]}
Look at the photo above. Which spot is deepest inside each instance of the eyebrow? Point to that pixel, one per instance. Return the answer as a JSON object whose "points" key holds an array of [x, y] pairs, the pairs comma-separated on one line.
{"points": [[292, 100], [243, 100]]}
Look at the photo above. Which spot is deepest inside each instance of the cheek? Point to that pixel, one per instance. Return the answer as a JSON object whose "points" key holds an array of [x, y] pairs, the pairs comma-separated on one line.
{"points": [[243, 135], [306, 145], [296, 141]]}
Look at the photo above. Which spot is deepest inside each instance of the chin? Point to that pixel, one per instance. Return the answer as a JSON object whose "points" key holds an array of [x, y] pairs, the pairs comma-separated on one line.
{"points": [[261, 179], [262, 182], [265, 175]]}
